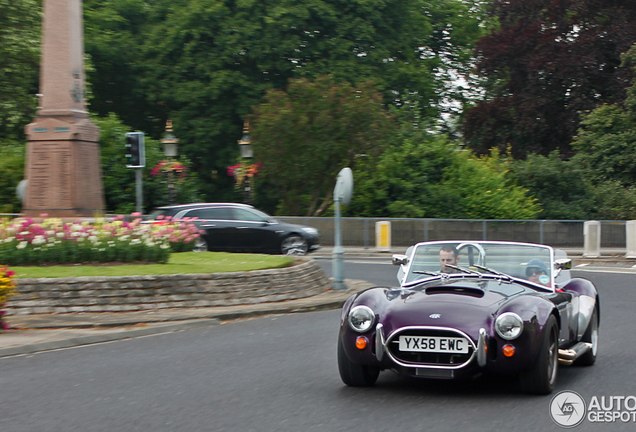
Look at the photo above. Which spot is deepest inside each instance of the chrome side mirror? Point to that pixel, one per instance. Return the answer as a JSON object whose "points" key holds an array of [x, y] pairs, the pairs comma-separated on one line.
{"points": [[562, 264], [400, 259]]}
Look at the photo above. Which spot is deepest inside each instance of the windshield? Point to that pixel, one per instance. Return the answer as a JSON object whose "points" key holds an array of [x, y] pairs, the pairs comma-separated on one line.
{"points": [[520, 260]]}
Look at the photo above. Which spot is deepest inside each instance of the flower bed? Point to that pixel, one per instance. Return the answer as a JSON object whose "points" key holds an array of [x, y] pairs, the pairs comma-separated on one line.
{"points": [[7, 286], [51, 241]]}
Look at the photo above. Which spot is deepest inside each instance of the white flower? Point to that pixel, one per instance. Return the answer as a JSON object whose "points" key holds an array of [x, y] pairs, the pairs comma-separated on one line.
{"points": [[61, 234], [38, 240], [9, 239], [22, 244]]}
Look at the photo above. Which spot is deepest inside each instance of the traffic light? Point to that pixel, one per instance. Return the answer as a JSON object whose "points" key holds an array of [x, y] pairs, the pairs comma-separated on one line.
{"points": [[135, 150]]}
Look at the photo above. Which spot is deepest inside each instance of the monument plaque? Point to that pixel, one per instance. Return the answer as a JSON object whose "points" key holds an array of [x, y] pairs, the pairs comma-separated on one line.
{"points": [[63, 166]]}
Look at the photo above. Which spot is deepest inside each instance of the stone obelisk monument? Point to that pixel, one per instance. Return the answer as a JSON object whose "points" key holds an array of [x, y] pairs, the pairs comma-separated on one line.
{"points": [[63, 166]]}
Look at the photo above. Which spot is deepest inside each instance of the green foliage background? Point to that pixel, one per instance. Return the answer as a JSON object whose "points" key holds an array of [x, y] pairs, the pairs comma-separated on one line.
{"points": [[363, 83]]}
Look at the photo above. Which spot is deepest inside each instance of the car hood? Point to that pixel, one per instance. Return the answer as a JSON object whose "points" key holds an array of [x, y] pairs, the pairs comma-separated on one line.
{"points": [[464, 307]]}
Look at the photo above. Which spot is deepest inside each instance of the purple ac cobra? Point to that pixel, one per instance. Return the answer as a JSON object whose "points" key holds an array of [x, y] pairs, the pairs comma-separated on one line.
{"points": [[469, 307]]}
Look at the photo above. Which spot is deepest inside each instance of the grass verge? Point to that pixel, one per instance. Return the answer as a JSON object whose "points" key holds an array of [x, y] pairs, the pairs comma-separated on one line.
{"points": [[179, 263]]}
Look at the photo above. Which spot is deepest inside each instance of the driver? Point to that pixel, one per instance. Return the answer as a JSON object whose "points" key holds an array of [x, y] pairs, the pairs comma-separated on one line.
{"points": [[448, 255], [537, 272]]}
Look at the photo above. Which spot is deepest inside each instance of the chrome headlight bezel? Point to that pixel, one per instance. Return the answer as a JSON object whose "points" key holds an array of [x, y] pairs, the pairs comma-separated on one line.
{"points": [[361, 318], [509, 326]]}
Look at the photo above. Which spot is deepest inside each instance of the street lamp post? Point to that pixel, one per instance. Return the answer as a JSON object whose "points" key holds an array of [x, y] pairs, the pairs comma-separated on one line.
{"points": [[170, 145], [245, 145]]}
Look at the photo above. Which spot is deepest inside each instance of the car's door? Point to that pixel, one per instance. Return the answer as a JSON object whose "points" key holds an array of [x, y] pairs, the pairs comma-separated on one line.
{"points": [[256, 231], [217, 225]]}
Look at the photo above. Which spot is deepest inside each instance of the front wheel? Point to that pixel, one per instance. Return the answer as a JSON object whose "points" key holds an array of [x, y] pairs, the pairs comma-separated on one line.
{"points": [[200, 245], [294, 245], [352, 374], [591, 336], [541, 379]]}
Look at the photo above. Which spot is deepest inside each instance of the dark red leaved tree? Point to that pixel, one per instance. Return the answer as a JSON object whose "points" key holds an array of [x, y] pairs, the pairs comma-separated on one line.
{"points": [[549, 61]]}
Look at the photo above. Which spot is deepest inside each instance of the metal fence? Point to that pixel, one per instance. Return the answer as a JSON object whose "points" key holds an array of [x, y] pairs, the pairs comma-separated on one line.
{"points": [[405, 232]]}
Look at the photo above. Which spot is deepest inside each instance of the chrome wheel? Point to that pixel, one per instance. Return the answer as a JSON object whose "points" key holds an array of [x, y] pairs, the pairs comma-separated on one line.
{"points": [[200, 245], [294, 245], [590, 336]]}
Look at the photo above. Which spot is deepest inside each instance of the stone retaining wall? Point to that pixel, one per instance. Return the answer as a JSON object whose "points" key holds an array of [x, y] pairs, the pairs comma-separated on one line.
{"points": [[134, 293]]}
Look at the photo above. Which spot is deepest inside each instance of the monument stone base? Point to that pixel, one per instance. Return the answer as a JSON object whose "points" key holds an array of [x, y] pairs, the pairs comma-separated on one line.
{"points": [[63, 168]]}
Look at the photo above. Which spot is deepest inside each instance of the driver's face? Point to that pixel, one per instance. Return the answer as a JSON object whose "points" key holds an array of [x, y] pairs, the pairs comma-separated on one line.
{"points": [[446, 257]]}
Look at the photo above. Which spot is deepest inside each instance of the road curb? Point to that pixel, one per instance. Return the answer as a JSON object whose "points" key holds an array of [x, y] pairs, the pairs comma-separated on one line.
{"points": [[106, 337], [158, 328]]}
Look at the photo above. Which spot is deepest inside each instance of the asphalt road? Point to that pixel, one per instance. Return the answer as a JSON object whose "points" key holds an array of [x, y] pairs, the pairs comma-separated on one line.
{"points": [[279, 373]]}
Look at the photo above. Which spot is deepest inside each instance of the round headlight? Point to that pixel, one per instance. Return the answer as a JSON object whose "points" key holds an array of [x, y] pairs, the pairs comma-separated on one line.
{"points": [[509, 325], [361, 318]]}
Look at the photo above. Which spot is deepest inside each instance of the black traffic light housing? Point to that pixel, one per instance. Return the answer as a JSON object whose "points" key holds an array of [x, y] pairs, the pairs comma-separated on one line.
{"points": [[135, 150]]}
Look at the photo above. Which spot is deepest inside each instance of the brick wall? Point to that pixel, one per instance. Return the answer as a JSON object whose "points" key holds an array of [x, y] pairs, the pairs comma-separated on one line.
{"points": [[134, 293]]}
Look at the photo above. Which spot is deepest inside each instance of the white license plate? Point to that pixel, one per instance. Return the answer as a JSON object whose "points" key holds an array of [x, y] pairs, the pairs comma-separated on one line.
{"points": [[434, 344]]}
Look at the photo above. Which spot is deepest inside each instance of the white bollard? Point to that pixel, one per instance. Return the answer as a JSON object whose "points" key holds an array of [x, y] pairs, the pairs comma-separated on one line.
{"points": [[592, 239], [383, 236], [630, 237]]}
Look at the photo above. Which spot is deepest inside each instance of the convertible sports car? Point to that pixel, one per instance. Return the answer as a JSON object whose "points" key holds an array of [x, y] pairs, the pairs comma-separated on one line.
{"points": [[466, 307]]}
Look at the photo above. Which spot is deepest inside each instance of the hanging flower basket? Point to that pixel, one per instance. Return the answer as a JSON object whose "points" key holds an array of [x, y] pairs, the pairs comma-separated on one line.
{"points": [[167, 166], [241, 170]]}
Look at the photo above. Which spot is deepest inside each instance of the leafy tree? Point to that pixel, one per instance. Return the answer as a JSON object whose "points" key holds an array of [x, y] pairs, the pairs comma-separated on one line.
{"points": [[403, 181], [119, 181], [561, 187], [205, 63], [548, 61], [606, 150], [19, 68], [305, 135], [606, 141], [429, 178], [484, 190], [11, 173]]}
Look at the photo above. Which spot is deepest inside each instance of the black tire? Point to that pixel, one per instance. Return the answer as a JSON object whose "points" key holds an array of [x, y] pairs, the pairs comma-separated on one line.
{"points": [[591, 336], [541, 379], [200, 245], [352, 374], [294, 244]]}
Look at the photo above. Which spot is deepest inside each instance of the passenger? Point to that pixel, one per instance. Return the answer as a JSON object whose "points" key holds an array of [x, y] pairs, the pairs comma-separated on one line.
{"points": [[448, 255], [537, 272]]}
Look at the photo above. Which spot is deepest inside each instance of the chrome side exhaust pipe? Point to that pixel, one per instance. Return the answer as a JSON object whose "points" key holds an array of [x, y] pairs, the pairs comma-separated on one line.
{"points": [[568, 356]]}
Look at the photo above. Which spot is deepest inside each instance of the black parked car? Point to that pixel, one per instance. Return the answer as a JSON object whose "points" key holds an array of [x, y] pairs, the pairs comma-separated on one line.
{"points": [[242, 228]]}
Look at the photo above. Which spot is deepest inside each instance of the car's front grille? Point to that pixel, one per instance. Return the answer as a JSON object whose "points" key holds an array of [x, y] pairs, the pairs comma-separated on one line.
{"points": [[439, 358]]}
